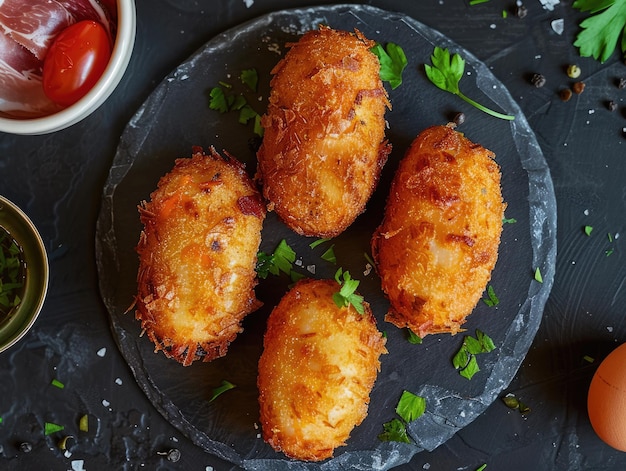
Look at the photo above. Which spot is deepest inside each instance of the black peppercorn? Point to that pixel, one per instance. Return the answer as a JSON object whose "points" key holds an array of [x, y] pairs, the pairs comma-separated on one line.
{"points": [[611, 105], [173, 455], [26, 447], [459, 118], [520, 11], [538, 80], [578, 87], [621, 83]]}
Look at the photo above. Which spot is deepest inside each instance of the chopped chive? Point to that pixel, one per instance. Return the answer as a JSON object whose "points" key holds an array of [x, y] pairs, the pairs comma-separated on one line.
{"points": [[538, 276], [225, 386], [329, 255], [57, 383], [318, 242]]}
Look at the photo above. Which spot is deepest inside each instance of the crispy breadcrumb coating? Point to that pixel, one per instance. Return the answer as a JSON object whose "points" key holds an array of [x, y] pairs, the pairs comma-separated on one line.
{"points": [[316, 371], [197, 257], [438, 243], [324, 143]]}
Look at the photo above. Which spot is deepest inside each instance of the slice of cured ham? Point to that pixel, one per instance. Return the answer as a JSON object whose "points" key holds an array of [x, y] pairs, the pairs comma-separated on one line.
{"points": [[27, 29]]}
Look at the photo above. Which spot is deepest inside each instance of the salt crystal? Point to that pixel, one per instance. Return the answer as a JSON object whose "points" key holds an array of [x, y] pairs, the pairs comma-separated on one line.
{"points": [[102, 352], [558, 26], [77, 465], [118, 381]]}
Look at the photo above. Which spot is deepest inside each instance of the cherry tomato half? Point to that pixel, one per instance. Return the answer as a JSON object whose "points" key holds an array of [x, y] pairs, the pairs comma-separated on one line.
{"points": [[75, 61]]}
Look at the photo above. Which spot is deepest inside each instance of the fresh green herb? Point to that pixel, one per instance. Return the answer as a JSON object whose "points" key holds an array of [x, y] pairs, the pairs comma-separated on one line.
{"points": [[410, 406], [50, 428], [609, 252], [250, 78], [347, 296], [318, 242], [477, 2], [225, 386], [57, 383], [505, 14], [482, 467], [392, 63], [11, 273], [602, 30], [588, 359], [394, 431], [588, 230], [492, 299], [224, 99], [281, 260], [464, 359], [368, 258], [446, 73], [538, 276], [0, 420], [218, 100], [329, 254], [610, 237], [509, 220], [413, 338]]}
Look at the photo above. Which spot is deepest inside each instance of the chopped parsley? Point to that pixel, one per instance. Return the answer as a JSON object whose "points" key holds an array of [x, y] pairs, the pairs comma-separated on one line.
{"points": [[509, 220], [588, 230], [224, 99], [446, 72], [329, 254], [492, 299], [465, 358], [281, 260], [347, 296], [603, 30], [538, 276], [413, 338], [221, 389], [49, 428], [392, 63], [410, 407]]}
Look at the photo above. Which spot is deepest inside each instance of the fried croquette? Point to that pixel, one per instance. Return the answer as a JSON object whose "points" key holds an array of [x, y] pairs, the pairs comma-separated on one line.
{"points": [[324, 142], [316, 372], [197, 256], [438, 242]]}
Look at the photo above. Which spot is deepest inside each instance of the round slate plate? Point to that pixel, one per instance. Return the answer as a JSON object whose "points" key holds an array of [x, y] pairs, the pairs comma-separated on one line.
{"points": [[177, 116]]}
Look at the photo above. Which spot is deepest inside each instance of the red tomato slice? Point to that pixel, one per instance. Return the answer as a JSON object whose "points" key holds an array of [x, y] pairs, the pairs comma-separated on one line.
{"points": [[75, 61]]}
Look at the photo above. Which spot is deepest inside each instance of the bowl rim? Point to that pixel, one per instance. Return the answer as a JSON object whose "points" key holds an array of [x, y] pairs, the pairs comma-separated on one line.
{"points": [[112, 75], [32, 243]]}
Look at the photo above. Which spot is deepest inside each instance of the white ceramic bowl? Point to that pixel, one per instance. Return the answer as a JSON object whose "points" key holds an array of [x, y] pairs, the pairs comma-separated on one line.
{"points": [[120, 56]]}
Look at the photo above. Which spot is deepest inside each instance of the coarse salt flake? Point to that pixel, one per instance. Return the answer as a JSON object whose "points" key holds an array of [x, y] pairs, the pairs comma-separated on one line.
{"points": [[102, 352], [77, 465]]}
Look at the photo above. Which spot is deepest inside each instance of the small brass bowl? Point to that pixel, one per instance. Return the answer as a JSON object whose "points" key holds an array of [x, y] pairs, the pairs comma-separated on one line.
{"points": [[33, 254]]}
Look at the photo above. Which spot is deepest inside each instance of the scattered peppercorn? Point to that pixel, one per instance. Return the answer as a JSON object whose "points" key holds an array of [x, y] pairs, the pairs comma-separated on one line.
{"points": [[621, 83], [520, 10], [565, 94], [173, 455], [573, 71], [611, 105], [459, 118], [26, 447], [578, 87], [538, 80]]}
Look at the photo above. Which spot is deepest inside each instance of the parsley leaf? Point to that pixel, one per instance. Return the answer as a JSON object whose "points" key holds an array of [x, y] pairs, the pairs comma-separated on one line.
{"points": [[346, 295], [413, 338], [464, 359], [410, 406], [538, 276], [394, 431], [446, 73], [602, 30], [250, 78], [281, 260], [392, 63]]}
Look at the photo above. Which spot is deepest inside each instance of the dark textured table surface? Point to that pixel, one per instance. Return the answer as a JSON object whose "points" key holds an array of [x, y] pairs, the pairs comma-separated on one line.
{"points": [[57, 179]]}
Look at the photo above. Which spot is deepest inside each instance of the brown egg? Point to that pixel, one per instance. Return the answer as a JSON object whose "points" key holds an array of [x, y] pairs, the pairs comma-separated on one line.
{"points": [[606, 401]]}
